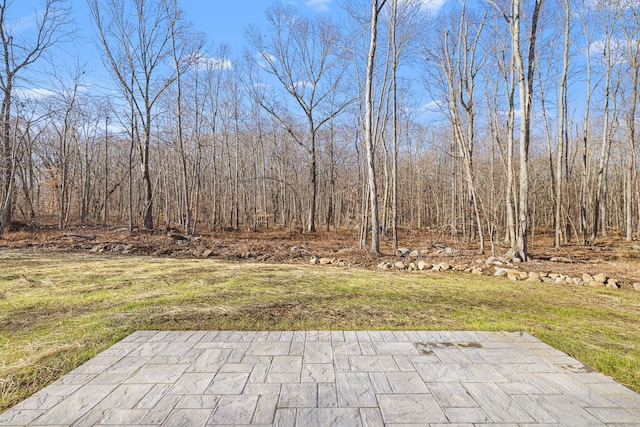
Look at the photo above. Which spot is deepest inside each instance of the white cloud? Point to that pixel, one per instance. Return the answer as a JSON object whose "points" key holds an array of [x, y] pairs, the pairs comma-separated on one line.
{"points": [[433, 6], [619, 49], [431, 106], [34, 93], [302, 85], [24, 23], [318, 5], [215, 63]]}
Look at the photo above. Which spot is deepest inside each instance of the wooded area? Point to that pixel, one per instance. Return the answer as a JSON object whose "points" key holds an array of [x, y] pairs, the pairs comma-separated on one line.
{"points": [[530, 123]]}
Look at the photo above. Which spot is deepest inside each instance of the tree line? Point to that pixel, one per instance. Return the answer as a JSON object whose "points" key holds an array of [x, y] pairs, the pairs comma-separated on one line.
{"points": [[484, 121]]}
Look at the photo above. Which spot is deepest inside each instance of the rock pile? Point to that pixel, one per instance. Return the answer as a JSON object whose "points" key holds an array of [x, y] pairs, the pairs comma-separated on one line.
{"points": [[500, 267]]}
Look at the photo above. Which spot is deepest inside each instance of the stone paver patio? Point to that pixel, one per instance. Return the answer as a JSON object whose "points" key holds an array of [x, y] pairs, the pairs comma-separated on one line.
{"points": [[330, 378]]}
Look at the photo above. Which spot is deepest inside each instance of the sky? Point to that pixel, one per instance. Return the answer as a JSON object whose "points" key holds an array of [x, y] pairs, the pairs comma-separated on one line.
{"points": [[223, 21]]}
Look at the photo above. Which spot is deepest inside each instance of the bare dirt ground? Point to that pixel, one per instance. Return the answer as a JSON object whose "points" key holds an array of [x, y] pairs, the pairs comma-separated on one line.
{"points": [[612, 255]]}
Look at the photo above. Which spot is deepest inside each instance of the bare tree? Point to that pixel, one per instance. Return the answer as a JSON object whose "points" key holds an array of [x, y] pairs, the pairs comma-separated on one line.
{"points": [[304, 56], [185, 51], [376, 7], [562, 132], [17, 54], [609, 57], [405, 20], [136, 37], [631, 29], [458, 62], [525, 78]]}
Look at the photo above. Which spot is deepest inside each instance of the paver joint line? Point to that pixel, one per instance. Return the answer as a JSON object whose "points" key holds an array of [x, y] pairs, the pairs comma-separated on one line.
{"points": [[329, 378]]}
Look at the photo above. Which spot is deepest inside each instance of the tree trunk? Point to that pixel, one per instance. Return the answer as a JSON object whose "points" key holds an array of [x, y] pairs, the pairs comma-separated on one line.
{"points": [[368, 124], [562, 131]]}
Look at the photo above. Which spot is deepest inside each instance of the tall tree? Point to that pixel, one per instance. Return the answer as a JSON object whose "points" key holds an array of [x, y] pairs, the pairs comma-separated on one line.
{"points": [[305, 57], [376, 7], [458, 61], [17, 53], [525, 79], [631, 29], [136, 39], [185, 51], [562, 132]]}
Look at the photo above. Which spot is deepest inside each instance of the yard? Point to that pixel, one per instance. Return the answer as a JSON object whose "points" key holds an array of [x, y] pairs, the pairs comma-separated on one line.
{"points": [[57, 310]]}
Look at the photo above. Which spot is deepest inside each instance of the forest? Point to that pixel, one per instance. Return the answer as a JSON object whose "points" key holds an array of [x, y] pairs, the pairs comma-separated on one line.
{"points": [[485, 121]]}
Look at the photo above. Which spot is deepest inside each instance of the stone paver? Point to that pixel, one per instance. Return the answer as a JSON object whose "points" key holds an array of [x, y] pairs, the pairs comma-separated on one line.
{"points": [[330, 378]]}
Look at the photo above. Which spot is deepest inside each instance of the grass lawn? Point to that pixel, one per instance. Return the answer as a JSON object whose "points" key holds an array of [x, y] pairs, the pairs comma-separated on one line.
{"points": [[59, 310]]}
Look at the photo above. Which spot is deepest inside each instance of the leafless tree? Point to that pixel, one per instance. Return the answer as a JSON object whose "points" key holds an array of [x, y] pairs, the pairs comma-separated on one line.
{"points": [[136, 38], [376, 7], [17, 54], [304, 56]]}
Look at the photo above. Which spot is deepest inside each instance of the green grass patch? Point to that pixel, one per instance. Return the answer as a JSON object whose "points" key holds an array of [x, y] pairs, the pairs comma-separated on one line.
{"points": [[59, 310]]}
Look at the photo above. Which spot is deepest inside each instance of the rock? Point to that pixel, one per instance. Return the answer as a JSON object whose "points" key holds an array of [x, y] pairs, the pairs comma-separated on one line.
{"points": [[523, 275], [516, 260], [314, 260], [436, 268], [498, 263], [547, 279], [460, 267], [636, 286], [587, 278], [444, 266], [413, 266], [600, 278], [490, 260], [477, 271], [534, 280], [99, 248], [559, 279], [400, 265], [568, 280], [500, 272], [613, 283], [578, 281], [423, 265], [415, 254], [207, 253], [512, 277], [554, 276], [479, 261], [452, 251], [533, 275], [326, 261], [384, 266], [402, 252], [560, 259], [635, 248]]}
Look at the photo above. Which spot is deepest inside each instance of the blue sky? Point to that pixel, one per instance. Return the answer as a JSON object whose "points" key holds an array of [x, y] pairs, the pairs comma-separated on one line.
{"points": [[223, 21]]}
